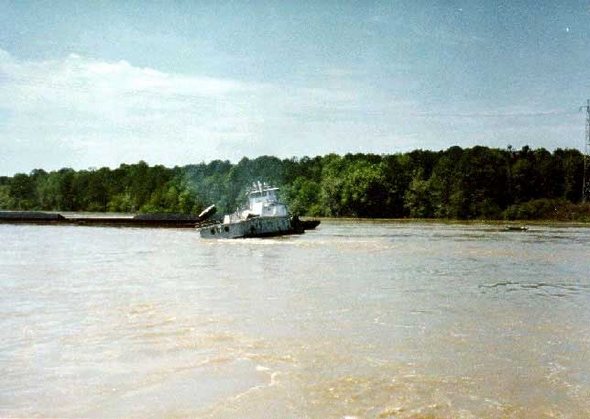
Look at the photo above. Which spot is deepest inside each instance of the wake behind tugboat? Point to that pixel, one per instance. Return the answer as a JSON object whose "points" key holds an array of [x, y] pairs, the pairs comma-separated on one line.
{"points": [[263, 216]]}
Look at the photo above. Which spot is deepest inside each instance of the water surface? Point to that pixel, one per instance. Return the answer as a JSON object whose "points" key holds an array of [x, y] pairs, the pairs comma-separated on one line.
{"points": [[354, 319]]}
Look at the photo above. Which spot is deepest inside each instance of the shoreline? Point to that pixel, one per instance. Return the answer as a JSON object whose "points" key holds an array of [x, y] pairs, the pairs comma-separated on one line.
{"points": [[169, 220]]}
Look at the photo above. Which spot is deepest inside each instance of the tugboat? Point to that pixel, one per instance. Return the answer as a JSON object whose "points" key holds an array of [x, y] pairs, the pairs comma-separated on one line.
{"points": [[264, 216]]}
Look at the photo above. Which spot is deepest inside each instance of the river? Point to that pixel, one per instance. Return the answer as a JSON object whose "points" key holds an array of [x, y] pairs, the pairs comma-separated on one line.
{"points": [[358, 319]]}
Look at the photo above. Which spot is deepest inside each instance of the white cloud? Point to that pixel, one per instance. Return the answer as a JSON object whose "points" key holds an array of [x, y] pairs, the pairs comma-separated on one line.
{"points": [[107, 90], [81, 112]]}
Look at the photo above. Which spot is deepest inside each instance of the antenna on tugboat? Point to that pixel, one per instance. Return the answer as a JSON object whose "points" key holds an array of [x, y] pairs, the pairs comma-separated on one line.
{"points": [[586, 181]]}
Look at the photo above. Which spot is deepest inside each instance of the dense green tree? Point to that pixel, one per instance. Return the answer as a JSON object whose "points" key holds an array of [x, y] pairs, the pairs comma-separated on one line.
{"points": [[22, 191], [477, 182], [481, 180], [572, 166], [364, 192], [398, 175], [418, 197], [331, 186], [444, 185], [303, 197], [5, 199]]}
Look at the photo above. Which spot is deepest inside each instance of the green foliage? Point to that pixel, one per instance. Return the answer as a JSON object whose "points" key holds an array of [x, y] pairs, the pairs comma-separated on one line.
{"points": [[122, 202], [364, 190], [303, 196], [478, 182], [418, 197], [530, 210], [22, 191], [5, 199], [553, 209]]}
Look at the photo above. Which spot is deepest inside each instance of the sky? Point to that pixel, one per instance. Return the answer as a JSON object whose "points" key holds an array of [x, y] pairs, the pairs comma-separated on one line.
{"points": [[87, 84]]}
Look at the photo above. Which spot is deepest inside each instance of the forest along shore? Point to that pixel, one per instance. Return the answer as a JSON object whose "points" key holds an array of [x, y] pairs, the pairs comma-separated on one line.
{"points": [[463, 184]]}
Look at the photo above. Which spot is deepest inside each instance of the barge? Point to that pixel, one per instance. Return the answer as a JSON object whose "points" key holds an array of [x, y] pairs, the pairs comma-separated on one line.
{"points": [[139, 220]]}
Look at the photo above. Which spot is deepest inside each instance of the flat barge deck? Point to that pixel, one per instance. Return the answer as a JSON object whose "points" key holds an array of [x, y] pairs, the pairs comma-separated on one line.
{"points": [[140, 220]]}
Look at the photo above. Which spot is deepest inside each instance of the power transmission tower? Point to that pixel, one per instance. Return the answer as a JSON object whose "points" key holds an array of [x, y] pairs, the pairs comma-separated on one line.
{"points": [[586, 183]]}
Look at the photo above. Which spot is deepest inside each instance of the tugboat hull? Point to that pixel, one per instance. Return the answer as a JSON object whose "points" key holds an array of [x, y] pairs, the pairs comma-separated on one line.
{"points": [[251, 227]]}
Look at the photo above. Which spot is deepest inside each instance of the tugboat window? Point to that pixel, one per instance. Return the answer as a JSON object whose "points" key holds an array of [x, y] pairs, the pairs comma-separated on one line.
{"points": [[226, 228], [212, 231]]}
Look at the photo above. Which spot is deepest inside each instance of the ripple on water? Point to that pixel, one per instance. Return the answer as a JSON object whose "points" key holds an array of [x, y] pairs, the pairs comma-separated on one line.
{"points": [[539, 288], [366, 320]]}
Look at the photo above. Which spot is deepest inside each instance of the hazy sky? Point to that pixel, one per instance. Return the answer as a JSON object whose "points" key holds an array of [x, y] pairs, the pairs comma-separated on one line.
{"points": [[97, 83]]}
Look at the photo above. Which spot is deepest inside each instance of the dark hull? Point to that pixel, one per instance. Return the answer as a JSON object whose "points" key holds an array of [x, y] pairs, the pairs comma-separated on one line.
{"points": [[309, 224], [150, 221], [303, 225], [251, 227]]}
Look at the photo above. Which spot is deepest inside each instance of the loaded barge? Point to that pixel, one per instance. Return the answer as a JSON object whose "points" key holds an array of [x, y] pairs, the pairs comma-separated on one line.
{"points": [[140, 220]]}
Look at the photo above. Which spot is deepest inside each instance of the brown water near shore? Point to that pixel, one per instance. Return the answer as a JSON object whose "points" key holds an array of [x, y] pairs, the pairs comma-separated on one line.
{"points": [[389, 319]]}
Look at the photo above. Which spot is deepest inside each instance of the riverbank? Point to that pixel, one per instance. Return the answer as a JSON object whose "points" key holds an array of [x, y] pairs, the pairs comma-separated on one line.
{"points": [[192, 221]]}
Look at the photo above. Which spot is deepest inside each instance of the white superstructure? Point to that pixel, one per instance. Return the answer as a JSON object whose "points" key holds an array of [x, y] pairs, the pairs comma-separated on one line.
{"points": [[263, 201]]}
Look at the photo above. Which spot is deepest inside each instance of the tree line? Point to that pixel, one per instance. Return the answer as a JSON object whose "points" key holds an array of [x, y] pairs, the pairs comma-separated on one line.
{"points": [[457, 183]]}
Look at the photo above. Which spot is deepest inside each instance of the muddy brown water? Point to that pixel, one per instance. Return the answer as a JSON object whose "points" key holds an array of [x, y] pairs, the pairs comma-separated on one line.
{"points": [[365, 319]]}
